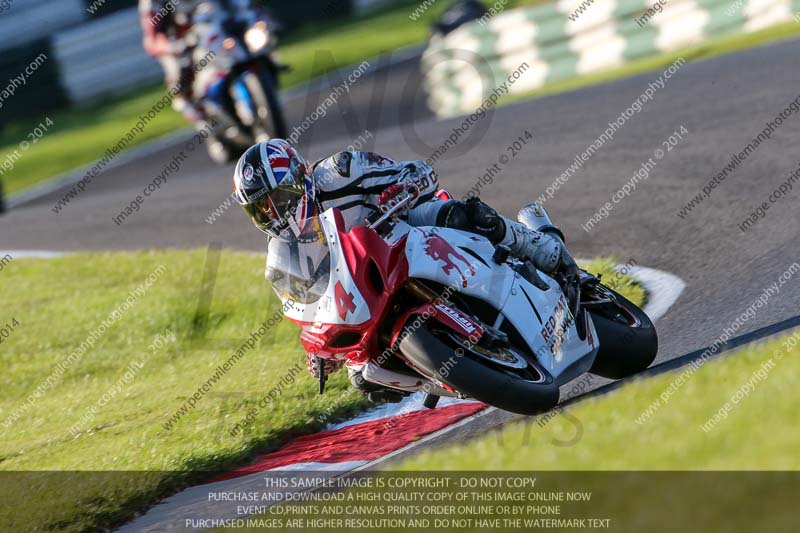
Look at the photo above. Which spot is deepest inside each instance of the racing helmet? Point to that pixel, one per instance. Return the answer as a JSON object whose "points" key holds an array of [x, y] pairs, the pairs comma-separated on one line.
{"points": [[273, 184]]}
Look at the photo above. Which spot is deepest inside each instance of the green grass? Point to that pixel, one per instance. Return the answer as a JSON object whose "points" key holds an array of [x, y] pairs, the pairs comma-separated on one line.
{"points": [[58, 302], [711, 48], [623, 284], [80, 136], [758, 434]]}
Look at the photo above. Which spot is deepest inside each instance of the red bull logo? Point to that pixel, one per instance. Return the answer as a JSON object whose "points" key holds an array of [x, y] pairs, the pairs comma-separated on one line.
{"points": [[556, 328], [441, 250]]}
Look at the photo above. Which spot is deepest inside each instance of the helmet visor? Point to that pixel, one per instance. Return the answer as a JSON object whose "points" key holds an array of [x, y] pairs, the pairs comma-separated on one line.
{"points": [[274, 212]]}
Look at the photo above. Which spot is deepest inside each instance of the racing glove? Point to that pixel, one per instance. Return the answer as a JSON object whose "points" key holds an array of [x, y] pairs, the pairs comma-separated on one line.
{"points": [[415, 179], [330, 365], [394, 194]]}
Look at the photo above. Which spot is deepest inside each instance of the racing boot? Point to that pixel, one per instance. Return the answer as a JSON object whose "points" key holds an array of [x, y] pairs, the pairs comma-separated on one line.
{"points": [[523, 243], [374, 392], [543, 250], [535, 218]]}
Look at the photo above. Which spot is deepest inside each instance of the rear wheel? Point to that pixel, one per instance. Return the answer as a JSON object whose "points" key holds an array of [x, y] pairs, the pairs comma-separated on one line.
{"points": [[628, 339], [498, 376]]}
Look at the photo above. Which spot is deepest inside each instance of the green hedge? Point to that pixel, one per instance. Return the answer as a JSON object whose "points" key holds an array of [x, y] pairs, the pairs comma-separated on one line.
{"points": [[42, 91]]}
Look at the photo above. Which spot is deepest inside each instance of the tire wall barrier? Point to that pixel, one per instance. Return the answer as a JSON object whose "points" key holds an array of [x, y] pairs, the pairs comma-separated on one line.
{"points": [[104, 57], [557, 41]]}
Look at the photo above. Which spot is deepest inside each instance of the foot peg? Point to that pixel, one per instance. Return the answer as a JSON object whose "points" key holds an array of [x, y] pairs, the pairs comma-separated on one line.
{"points": [[501, 254], [531, 275]]}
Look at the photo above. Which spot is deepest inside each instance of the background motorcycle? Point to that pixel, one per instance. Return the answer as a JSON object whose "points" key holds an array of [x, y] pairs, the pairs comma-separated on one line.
{"points": [[238, 86], [444, 312]]}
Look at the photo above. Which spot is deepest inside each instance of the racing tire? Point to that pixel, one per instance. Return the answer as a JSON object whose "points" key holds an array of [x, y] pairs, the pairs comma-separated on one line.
{"points": [[628, 341], [430, 354], [270, 121]]}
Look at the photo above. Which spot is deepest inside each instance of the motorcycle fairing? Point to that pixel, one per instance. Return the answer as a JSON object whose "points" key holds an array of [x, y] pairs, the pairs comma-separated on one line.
{"points": [[365, 272], [355, 302], [463, 261], [458, 260], [341, 292], [543, 319]]}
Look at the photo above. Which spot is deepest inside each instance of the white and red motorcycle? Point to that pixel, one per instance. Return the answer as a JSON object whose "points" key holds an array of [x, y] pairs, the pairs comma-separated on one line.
{"points": [[445, 312]]}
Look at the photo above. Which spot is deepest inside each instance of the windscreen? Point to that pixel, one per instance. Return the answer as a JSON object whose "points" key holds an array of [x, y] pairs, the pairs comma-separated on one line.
{"points": [[299, 263]]}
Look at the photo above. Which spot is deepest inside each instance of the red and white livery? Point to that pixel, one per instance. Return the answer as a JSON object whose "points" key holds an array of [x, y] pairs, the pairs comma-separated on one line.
{"points": [[444, 312]]}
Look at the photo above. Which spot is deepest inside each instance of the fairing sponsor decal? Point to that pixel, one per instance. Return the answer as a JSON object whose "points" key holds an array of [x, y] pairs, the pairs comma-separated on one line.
{"points": [[556, 328]]}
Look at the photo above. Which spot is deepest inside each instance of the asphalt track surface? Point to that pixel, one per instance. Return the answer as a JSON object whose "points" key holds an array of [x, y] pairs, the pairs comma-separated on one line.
{"points": [[723, 102]]}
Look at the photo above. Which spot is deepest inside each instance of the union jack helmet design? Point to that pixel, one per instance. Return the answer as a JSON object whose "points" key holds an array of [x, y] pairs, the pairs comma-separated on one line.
{"points": [[273, 184]]}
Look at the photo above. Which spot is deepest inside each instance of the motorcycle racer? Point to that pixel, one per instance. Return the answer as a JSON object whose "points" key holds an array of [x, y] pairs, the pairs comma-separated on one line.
{"points": [[278, 191], [165, 24]]}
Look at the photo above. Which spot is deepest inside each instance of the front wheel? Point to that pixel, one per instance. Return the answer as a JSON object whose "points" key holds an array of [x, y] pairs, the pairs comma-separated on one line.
{"points": [[218, 151], [500, 377], [269, 121], [628, 339]]}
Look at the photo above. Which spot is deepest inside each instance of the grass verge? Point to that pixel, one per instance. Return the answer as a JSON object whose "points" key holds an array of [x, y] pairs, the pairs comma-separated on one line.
{"points": [[57, 303], [719, 454], [109, 408]]}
